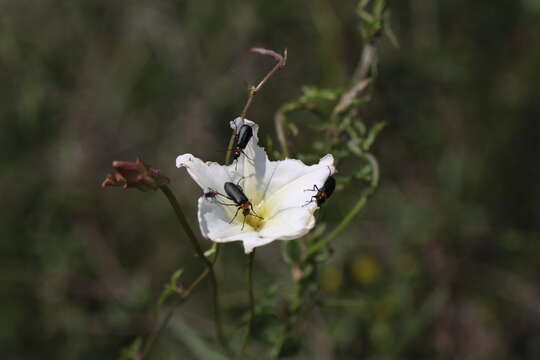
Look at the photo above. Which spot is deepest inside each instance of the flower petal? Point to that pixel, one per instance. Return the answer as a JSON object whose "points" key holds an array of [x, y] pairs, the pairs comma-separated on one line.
{"points": [[208, 175], [214, 221], [292, 181], [289, 224]]}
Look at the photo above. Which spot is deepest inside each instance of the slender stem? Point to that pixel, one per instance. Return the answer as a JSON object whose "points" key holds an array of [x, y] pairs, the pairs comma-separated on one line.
{"points": [[251, 95], [251, 306], [360, 78], [216, 253], [342, 225], [209, 264], [229, 148], [181, 299], [358, 206], [281, 61], [183, 221], [369, 54], [280, 131], [293, 312]]}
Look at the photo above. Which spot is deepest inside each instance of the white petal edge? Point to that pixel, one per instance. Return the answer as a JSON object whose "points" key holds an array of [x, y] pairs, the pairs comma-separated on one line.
{"points": [[208, 175]]}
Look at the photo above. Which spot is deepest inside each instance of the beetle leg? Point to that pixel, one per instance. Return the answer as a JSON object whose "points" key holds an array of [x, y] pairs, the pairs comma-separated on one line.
{"points": [[224, 204], [310, 201], [236, 213], [246, 155], [225, 196], [254, 213], [315, 188]]}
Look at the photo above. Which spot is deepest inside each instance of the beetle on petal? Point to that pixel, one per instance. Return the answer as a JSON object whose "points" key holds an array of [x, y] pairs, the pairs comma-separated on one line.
{"points": [[275, 190]]}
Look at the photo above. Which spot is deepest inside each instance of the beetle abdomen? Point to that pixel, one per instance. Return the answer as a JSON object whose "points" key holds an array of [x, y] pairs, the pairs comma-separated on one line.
{"points": [[236, 193]]}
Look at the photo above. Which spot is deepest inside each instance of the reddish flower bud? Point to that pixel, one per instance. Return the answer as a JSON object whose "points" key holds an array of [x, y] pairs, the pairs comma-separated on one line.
{"points": [[135, 175]]}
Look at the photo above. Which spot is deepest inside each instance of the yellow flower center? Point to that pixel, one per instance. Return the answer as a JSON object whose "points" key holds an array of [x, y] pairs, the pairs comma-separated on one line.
{"points": [[253, 221]]}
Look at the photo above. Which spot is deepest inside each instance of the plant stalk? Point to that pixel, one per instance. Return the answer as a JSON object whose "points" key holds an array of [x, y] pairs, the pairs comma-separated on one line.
{"points": [[209, 264], [251, 306], [181, 299]]}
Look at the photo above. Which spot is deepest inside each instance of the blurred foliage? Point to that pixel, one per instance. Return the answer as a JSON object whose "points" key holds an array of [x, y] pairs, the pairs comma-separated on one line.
{"points": [[452, 231]]}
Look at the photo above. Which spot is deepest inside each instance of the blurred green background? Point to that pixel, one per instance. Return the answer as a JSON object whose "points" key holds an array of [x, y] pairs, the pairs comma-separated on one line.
{"points": [[444, 262]]}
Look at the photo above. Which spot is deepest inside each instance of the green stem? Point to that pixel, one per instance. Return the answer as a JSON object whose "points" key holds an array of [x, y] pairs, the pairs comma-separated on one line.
{"points": [[209, 264], [181, 299], [279, 121], [251, 306], [355, 209], [216, 253], [338, 229], [293, 314]]}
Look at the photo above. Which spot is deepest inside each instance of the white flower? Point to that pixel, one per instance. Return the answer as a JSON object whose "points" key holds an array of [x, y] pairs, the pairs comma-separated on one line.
{"points": [[275, 188]]}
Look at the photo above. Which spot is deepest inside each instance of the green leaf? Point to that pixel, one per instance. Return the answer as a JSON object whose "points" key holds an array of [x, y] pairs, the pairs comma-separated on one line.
{"points": [[200, 348], [269, 149], [172, 287], [389, 32], [367, 17], [131, 352], [363, 3], [372, 135], [291, 251], [319, 145], [364, 173], [319, 230], [293, 128], [323, 255], [210, 251], [379, 7], [307, 271], [360, 126]]}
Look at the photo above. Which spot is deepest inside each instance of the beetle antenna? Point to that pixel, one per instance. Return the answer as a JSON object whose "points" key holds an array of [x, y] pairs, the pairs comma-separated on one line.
{"points": [[241, 179]]}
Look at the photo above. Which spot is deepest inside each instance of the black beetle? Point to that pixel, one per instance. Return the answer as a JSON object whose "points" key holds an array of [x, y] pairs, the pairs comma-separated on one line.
{"points": [[323, 193], [241, 139], [236, 194]]}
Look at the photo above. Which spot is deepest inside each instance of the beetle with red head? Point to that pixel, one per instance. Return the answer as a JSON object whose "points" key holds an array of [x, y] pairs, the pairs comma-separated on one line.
{"points": [[324, 192], [236, 194]]}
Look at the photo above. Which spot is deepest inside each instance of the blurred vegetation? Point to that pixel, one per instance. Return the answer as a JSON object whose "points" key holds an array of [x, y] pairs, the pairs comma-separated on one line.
{"points": [[442, 264]]}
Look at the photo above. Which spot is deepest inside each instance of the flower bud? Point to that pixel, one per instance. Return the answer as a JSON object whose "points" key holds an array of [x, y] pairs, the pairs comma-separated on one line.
{"points": [[135, 175]]}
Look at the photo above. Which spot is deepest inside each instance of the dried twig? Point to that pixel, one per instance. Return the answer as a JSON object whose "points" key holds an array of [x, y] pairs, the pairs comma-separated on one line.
{"points": [[361, 79], [281, 61]]}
